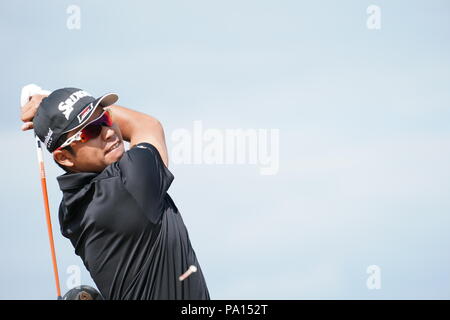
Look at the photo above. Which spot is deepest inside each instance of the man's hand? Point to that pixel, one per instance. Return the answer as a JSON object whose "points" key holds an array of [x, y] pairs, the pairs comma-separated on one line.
{"points": [[28, 111]]}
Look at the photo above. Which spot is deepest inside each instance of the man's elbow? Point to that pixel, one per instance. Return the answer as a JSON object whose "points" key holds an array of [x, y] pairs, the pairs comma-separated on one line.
{"points": [[150, 121], [154, 134]]}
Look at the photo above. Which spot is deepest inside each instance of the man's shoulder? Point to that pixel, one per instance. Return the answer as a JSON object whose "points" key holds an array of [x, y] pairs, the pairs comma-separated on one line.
{"points": [[146, 145]]}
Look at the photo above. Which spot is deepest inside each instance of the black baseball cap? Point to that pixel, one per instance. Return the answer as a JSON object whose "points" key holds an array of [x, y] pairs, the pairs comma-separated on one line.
{"points": [[64, 110]]}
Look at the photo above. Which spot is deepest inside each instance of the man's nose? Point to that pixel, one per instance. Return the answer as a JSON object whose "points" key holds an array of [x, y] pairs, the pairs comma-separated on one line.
{"points": [[107, 132]]}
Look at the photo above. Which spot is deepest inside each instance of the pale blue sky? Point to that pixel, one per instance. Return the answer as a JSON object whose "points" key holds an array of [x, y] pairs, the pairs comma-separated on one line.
{"points": [[363, 116]]}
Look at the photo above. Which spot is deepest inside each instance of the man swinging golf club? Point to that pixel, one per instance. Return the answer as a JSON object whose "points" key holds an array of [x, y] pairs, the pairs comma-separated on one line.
{"points": [[115, 208]]}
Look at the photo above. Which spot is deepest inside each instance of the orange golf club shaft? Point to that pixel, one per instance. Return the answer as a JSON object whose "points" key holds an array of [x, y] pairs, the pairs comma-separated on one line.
{"points": [[48, 218], [25, 95]]}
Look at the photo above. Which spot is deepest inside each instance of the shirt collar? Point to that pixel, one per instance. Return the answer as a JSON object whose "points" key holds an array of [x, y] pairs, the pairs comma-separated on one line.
{"points": [[70, 181]]}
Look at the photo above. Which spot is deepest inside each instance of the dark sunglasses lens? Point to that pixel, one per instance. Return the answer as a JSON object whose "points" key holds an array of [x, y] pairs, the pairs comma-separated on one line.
{"points": [[92, 131], [108, 119], [104, 120]]}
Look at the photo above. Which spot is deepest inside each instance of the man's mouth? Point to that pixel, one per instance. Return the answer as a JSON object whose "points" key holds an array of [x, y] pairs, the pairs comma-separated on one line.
{"points": [[114, 146]]}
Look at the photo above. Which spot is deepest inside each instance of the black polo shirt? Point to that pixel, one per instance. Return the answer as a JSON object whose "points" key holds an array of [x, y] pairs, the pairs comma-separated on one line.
{"points": [[128, 231]]}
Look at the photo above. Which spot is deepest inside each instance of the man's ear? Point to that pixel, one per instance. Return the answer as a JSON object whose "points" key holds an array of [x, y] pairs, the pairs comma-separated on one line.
{"points": [[64, 158]]}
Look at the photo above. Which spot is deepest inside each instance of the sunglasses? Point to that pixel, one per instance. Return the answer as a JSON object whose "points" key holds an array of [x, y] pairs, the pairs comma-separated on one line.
{"points": [[90, 131]]}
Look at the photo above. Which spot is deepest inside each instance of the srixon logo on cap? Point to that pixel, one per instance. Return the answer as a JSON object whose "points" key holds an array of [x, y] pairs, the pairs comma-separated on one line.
{"points": [[82, 115], [48, 140], [67, 106]]}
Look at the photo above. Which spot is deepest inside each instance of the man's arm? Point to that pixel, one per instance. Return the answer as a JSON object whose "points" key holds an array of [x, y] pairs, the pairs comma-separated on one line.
{"points": [[137, 127]]}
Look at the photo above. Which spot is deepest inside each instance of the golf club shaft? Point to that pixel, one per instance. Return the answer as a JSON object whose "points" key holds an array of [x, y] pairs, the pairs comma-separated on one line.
{"points": [[27, 92], [47, 215]]}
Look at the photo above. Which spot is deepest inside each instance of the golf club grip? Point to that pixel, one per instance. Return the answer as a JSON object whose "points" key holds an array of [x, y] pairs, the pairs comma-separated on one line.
{"points": [[30, 90]]}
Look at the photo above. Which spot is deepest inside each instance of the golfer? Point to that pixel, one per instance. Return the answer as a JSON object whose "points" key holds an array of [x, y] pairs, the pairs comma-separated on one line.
{"points": [[115, 208]]}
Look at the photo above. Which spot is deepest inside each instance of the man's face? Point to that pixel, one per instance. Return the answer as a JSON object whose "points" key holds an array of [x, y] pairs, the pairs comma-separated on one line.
{"points": [[97, 153]]}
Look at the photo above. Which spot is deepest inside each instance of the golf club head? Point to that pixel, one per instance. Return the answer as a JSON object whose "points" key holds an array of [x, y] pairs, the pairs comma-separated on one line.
{"points": [[83, 292], [29, 90]]}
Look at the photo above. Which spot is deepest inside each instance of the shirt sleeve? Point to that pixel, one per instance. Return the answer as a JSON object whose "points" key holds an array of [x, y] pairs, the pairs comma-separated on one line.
{"points": [[146, 178]]}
